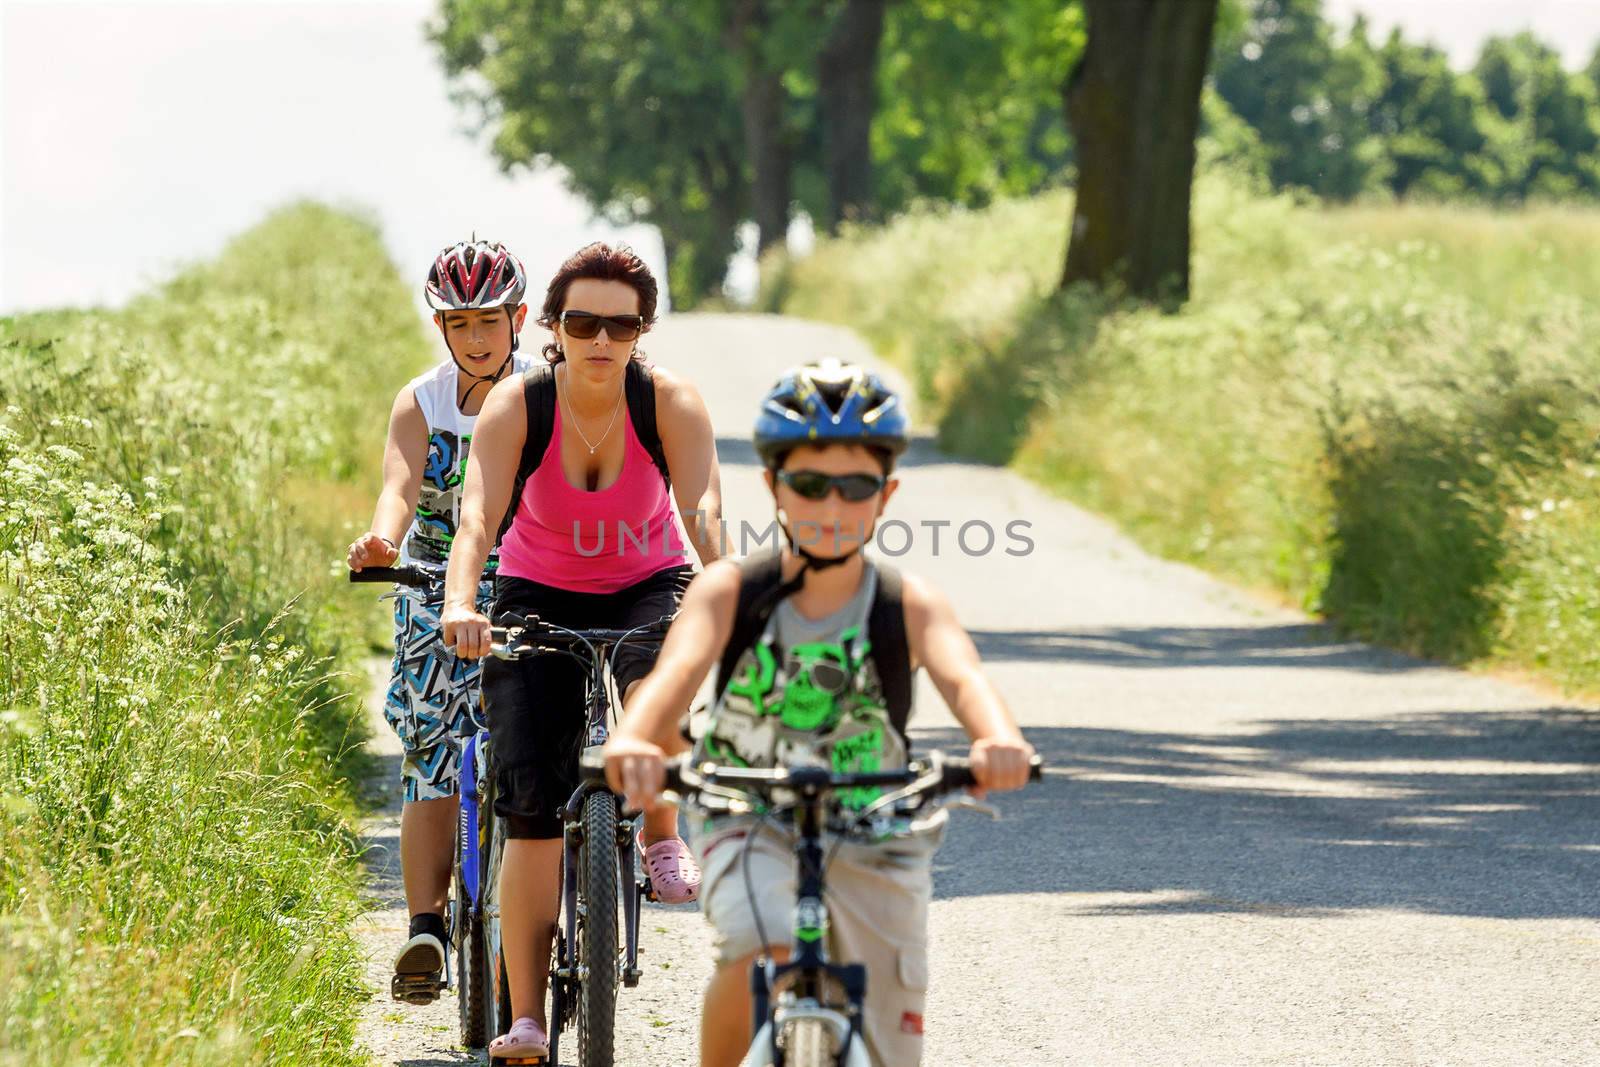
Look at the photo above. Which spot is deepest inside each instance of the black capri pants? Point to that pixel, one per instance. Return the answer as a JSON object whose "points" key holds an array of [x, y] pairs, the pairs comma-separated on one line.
{"points": [[535, 706]]}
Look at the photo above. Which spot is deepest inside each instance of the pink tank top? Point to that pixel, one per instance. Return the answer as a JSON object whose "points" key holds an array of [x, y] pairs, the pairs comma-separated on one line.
{"points": [[593, 542]]}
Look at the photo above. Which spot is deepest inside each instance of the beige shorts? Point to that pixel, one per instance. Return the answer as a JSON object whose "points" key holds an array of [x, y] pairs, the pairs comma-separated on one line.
{"points": [[877, 897]]}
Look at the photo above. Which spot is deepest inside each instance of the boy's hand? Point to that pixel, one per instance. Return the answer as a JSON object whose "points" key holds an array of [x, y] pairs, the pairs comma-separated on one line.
{"points": [[636, 769], [1000, 764], [371, 550]]}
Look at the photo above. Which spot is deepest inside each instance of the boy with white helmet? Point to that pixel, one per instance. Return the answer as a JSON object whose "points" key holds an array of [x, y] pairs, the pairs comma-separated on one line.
{"points": [[475, 289]]}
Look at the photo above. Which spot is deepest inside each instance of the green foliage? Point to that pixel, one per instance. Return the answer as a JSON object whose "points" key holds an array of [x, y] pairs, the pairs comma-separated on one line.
{"points": [[1385, 414], [180, 692], [1342, 118], [1427, 118], [970, 99], [1543, 124], [1307, 98]]}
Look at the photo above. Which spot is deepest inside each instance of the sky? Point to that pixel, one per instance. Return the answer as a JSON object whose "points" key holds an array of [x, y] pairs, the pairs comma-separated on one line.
{"points": [[1460, 26], [136, 137]]}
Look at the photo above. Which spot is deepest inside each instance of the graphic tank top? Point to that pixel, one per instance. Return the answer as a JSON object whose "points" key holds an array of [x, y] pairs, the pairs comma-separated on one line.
{"points": [[433, 528]]}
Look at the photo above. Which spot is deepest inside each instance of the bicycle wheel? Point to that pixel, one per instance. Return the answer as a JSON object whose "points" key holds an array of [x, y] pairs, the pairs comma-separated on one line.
{"points": [[808, 1043], [597, 934], [469, 947], [495, 989]]}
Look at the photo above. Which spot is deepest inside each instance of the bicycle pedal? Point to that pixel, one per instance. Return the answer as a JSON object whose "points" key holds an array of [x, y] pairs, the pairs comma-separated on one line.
{"points": [[416, 988]]}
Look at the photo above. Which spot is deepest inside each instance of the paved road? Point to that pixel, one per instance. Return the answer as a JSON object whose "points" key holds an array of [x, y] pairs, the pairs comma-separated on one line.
{"points": [[1262, 845]]}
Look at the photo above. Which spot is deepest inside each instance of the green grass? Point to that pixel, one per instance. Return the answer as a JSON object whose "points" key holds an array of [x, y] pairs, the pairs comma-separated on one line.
{"points": [[180, 685], [1386, 414]]}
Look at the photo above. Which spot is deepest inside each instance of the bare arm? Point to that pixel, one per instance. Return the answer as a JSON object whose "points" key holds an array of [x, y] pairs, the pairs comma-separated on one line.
{"points": [[940, 643], [634, 755], [404, 455], [691, 448], [492, 462]]}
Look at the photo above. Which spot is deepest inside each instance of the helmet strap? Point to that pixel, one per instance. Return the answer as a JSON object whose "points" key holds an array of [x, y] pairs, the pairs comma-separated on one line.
{"points": [[768, 601], [482, 379]]}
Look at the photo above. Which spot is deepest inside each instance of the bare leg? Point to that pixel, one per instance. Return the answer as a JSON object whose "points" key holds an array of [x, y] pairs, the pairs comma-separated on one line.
{"points": [[427, 852], [725, 1033], [530, 887]]}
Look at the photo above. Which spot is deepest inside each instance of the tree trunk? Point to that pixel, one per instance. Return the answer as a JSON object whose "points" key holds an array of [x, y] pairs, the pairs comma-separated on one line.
{"points": [[763, 103], [1133, 102], [847, 70]]}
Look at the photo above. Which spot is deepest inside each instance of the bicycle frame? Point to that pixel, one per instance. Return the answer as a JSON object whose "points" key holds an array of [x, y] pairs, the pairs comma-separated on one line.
{"points": [[808, 986]]}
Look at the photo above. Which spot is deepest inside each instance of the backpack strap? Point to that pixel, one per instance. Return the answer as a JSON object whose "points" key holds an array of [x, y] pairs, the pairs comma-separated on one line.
{"points": [[758, 573], [539, 397], [640, 386], [891, 648]]}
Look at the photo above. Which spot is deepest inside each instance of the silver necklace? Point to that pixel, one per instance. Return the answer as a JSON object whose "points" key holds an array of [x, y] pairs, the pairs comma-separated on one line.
{"points": [[616, 408]]}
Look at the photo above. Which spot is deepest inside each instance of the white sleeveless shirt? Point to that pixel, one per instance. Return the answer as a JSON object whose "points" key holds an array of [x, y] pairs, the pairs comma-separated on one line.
{"points": [[433, 528]]}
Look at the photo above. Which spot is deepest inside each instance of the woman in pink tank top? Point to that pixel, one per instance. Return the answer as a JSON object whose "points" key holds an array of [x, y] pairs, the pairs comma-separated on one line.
{"points": [[591, 542]]}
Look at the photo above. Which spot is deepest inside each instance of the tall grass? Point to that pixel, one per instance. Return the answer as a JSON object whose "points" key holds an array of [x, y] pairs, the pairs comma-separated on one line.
{"points": [[180, 713], [1387, 414]]}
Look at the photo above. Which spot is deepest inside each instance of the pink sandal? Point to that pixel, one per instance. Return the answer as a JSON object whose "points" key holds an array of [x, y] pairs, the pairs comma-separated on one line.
{"points": [[524, 1040], [674, 875]]}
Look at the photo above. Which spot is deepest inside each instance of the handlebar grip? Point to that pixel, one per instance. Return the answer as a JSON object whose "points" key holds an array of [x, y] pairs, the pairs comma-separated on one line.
{"points": [[958, 772], [395, 575]]}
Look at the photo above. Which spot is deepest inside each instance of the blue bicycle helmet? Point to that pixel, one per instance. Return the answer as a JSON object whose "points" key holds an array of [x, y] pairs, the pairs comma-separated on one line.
{"points": [[829, 401]]}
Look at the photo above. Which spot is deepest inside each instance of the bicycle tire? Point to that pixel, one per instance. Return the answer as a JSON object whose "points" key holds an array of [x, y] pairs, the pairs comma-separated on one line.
{"points": [[496, 988], [808, 1043], [469, 969], [597, 937]]}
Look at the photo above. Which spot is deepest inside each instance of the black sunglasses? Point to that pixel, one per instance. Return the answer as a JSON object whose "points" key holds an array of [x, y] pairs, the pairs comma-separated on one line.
{"points": [[586, 324], [814, 485]]}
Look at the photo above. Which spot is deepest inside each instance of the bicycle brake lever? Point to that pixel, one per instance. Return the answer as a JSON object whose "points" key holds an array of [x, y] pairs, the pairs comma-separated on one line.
{"points": [[972, 803]]}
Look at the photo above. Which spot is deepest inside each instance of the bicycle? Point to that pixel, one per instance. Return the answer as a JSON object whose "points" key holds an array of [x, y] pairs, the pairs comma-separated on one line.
{"points": [[808, 1012], [597, 866], [468, 929]]}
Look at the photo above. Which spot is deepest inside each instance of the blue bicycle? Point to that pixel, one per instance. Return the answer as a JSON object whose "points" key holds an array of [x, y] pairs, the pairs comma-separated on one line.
{"points": [[472, 917]]}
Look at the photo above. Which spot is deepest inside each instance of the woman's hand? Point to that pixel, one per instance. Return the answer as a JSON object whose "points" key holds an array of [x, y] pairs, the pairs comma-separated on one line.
{"points": [[466, 629], [1000, 763], [371, 550], [636, 769]]}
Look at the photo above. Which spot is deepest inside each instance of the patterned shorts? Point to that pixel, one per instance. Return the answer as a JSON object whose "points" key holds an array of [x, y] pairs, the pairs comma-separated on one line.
{"points": [[432, 703]]}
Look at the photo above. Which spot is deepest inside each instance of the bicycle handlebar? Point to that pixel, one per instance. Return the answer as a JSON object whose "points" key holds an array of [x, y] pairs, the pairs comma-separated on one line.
{"points": [[416, 575], [931, 777], [516, 641]]}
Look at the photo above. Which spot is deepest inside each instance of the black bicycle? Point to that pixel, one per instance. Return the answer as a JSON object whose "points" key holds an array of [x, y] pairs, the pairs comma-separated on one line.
{"points": [[808, 1012], [599, 875]]}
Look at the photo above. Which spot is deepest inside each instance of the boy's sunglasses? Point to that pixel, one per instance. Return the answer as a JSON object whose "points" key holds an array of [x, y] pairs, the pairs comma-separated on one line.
{"points": [[586, 324], [814, 485]]}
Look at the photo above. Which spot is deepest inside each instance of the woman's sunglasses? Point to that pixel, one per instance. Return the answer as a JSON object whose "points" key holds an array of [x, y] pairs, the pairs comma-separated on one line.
{"points": [[586, 324], [814, 485]]}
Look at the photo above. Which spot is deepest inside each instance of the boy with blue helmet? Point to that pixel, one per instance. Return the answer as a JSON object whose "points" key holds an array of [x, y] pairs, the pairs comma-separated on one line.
{"points": [[817, 647]]}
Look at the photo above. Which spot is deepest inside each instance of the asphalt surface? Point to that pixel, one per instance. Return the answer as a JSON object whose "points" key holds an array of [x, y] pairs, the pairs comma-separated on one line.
{"points": [[1258, 843]]}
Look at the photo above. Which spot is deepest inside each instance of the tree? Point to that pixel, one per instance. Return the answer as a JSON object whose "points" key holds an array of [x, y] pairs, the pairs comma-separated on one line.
{"points": [[970, 99], [1542, 121], [627, 98], [1428, 119], [1306, 98], [847, 68], [1133, 101]]}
